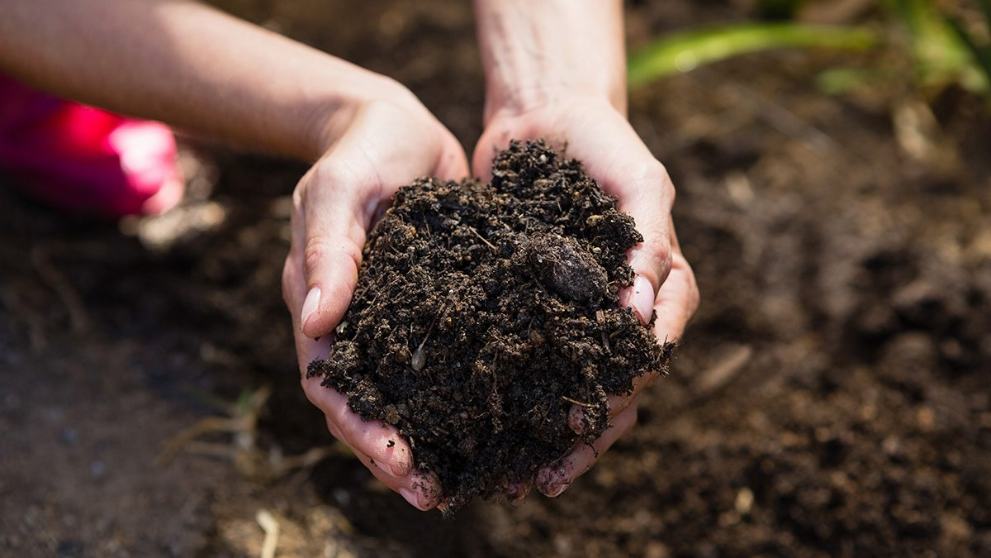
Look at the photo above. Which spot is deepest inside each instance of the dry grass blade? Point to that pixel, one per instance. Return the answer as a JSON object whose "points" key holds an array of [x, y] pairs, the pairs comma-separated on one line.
{"points": [[270, 526]]}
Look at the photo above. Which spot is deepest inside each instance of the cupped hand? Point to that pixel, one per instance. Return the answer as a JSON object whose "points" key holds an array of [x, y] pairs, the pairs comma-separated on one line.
{"points": [[597, 134], [384, 144]]}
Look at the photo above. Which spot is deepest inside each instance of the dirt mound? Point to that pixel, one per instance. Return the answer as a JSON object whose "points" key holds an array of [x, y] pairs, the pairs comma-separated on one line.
{"points": [[483, 313]]}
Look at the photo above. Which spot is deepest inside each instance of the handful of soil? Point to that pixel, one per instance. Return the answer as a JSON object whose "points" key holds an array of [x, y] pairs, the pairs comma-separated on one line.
{"points": [[484, 312]]}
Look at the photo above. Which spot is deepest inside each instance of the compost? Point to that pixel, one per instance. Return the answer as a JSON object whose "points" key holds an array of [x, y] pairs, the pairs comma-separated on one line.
{"points": [[485, 312]]}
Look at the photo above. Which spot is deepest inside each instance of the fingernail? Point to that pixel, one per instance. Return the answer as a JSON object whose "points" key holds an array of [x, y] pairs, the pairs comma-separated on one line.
{"points": [[552, 482], [310, 305], [427, 487], [412, 497], [642, 298], [556, 490]]}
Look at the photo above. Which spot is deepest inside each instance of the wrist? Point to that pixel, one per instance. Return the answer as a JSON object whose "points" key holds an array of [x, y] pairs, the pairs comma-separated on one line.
{"points": [[345, 100], [538, 54], [522, 99]]}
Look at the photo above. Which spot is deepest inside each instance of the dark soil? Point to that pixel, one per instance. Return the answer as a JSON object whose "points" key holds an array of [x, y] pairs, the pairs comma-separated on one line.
{"points": [[830, 397], [483, 313]]}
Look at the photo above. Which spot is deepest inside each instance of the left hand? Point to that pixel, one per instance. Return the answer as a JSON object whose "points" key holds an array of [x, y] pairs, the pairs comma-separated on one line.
{"points": [[389, 140], [597, 134]]}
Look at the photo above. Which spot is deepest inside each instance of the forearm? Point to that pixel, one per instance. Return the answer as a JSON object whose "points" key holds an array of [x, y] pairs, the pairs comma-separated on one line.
{"points": [[185, 64], [536, 52]]}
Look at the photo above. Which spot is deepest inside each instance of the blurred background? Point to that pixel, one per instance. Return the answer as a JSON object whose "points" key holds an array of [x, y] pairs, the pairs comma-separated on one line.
{"points": [[831, 397]]}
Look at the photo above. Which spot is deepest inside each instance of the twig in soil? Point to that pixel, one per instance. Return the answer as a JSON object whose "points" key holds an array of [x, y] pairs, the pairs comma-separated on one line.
{"points": [[242, 422], [482, 238], [54, 279], [183, 439], [308, 459], [271, 528], [276, 466], [577, 402]]}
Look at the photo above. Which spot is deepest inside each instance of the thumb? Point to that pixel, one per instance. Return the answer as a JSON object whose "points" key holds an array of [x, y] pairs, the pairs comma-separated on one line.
{"points": [[648, 199], [336, 204]]}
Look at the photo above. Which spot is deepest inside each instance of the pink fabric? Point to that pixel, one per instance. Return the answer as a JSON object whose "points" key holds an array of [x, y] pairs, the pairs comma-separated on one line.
{"points": [[83, 159]]}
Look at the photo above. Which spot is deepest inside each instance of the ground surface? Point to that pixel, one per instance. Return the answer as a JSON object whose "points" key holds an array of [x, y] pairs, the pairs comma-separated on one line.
{"points": [[831, 396]]}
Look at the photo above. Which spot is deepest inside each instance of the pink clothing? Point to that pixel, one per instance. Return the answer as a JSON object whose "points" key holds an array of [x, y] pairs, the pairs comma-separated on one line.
{"points": [[83, 159]]}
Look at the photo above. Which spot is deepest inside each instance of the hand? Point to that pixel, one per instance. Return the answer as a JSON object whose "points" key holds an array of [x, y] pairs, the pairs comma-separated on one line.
{"points": [[383, 145], [598, 135]]}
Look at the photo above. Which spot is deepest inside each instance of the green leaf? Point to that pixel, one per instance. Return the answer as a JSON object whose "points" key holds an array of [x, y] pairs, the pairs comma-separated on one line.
{"points": [[685, 51], [836, 81], [942, 50], [981, 55]]}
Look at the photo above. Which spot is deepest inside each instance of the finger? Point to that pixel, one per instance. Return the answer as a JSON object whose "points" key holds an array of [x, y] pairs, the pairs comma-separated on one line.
{"points": [[579, 418], [380, 444], [335, 207], [411, 488], [380, 447], [517, 491], [648, 199], [374, 438], [419, 489], [615, 157], [554, 479], [293, 291], [675, 305], [639, 297], [393, 482], [453, 164], [678, 298], [423, 488]]}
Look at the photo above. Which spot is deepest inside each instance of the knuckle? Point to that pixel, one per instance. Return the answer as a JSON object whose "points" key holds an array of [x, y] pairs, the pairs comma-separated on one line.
{"points": [[341, 175], [659, 253], [314, 253], [655, 177], [654, 174], [326, 173], [321, 251]]}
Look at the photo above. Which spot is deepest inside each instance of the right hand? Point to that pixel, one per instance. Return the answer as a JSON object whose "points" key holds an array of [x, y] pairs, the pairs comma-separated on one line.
{"points": [[385, 143], [598, 134]]}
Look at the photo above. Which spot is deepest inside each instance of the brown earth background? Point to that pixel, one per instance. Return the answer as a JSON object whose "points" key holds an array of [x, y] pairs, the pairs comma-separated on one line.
{"points": [[832, 396]]}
